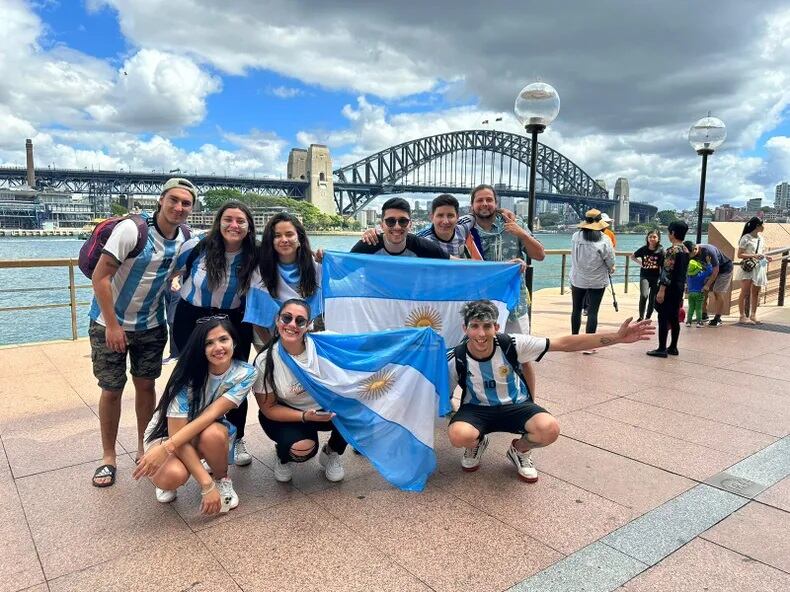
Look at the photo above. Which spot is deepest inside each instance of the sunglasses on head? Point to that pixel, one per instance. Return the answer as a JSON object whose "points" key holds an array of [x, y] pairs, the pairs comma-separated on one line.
{"points": [[219, 317], [300, 321], [402, 222]]}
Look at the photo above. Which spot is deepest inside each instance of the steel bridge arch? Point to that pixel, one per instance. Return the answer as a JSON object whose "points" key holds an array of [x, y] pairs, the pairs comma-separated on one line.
{"points": [[388, 166]]}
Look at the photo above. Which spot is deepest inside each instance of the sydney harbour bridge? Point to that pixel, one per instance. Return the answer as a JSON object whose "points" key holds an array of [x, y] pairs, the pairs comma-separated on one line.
{"points": [[452, 162]]}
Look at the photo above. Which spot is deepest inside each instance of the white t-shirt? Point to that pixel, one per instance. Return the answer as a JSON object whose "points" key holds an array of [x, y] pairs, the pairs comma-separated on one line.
{"points": [[289, 390], [492, 381]]}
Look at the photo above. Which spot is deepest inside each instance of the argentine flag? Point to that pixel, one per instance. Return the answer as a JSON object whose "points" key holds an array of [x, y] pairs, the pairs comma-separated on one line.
{"points": [[367, 293], [386, 390], [261, 307]]}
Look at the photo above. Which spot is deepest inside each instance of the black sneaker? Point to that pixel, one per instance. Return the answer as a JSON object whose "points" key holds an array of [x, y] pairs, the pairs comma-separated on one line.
{"points": [[715, 323], [657, 353], [705, 316], [672, 351]]}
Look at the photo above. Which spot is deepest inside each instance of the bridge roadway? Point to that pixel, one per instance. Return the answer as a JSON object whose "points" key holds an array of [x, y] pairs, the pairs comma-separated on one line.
{"points": [[669, 475], [141, 183]]}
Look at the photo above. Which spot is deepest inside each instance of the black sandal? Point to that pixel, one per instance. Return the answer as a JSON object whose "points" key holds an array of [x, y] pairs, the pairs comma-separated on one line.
{"points": [[103, 472]]}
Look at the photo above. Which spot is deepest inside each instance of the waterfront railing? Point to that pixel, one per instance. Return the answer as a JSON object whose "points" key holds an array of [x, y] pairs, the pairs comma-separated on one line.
{"points": [[626, 277]]}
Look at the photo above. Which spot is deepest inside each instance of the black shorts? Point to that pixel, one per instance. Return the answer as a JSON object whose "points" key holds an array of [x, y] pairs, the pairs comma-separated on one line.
{"points": [[498, 418]]}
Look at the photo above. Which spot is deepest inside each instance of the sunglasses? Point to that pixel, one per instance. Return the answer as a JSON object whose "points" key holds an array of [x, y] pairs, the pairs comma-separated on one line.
{"points": [[220, 317], [402, 222], [287, 318]]}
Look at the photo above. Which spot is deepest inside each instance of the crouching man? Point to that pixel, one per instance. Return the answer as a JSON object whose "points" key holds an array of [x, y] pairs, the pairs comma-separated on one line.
{"points": [[494, 394]]}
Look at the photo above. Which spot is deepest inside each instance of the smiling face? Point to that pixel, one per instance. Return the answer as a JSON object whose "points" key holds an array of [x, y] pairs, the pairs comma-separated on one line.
{"points": [[444, 219], [652, 240], [481, 335], [175, 206], [219, 350], [395, 224], [286, 241], [292, 323], [233, 226], [484, 204]]}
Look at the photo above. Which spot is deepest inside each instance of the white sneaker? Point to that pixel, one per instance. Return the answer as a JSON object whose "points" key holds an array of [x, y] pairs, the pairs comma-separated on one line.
{"points": [[227, 494], [165, 496], [282, 471], [333, 468], [242, 458], [470, 461], [523, 463], [206, 466]]}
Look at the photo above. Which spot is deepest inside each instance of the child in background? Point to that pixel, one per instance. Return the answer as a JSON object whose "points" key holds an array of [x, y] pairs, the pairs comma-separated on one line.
{"points": [[697, 275]]}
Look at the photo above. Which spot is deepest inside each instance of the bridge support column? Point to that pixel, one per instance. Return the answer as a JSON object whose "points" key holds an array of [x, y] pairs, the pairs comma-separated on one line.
{"points": [[321, 191]]}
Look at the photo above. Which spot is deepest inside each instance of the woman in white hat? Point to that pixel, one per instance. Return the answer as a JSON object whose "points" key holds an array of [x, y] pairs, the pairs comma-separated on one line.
{"points": [[592, 260]]}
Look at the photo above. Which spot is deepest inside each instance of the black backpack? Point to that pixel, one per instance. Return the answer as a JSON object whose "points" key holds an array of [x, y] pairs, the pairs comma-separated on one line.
{"points": [[505, 343]]}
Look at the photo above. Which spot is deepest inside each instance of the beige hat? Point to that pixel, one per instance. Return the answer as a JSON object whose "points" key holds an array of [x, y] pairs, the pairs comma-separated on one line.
{"points": [[179, 183], [593, 220]]}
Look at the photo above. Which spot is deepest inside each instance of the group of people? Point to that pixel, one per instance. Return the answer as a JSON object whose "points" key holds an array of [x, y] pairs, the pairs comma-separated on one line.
{"points": [[233, 290]]}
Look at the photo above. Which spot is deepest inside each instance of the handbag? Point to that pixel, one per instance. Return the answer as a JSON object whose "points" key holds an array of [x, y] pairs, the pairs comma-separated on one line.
{"points": [[748, 265]]}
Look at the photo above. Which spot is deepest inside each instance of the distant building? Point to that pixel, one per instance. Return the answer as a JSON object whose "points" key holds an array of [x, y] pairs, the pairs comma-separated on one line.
{"points": [[782, 196], [32, 209], [260, 216], [754, 204], [724, 213], [622, 210], [522, 207]]}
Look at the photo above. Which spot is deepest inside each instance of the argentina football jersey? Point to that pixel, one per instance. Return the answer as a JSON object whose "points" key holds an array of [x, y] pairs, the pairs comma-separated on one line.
{"points": [[195, 287]]}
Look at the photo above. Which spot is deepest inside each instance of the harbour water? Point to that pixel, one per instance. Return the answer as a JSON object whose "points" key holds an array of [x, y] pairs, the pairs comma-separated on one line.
{"points": [[21, 287]]}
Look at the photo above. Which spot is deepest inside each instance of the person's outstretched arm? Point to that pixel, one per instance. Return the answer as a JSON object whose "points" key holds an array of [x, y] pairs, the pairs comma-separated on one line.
{"points": [[627, 333]]}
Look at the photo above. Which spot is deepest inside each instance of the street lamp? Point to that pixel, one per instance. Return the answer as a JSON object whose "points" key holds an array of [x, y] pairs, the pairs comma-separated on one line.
{"points": [[537, 105], [705, 136]]}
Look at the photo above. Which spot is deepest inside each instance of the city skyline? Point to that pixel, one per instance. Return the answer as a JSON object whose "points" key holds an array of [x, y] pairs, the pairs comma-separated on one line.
{"points": [[186, 84]]}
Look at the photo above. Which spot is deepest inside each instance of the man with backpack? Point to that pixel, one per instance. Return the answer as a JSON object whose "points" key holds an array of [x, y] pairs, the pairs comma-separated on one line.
{"points": [[130, 261], [495, 396]]}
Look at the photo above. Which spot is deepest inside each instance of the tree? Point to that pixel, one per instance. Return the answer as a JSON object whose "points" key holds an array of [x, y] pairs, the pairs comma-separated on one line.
{"points": [[667, 216], [549, 219], [118, 210]]}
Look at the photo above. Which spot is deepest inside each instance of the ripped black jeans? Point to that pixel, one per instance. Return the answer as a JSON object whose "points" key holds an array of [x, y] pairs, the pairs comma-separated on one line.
{"points": [[286, 433]]}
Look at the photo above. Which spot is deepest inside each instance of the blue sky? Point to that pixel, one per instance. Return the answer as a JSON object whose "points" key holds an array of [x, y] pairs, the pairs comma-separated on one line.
{"points": [[192, 84]]}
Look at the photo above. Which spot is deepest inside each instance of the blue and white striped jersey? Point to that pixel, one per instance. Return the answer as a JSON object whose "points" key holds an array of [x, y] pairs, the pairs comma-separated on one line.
{"points": [[455, 246], [194, 286], [139, 284], [492, 381], [234, 385]]}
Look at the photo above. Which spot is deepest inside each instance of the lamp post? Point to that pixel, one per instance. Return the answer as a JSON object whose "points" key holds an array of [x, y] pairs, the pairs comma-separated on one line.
{"points": [[705, 136], [537, 105]]}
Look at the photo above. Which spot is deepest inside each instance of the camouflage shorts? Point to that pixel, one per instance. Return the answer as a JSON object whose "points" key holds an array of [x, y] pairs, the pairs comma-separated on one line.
{"points": [[145, 350]]}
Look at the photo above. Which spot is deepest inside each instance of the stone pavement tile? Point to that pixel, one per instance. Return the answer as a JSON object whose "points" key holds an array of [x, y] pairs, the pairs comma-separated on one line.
{"points": [[569, 396], [255, 485], [76, 525], [667, 452], [713, 406], [596, 568], [25, 396], [661, 531], [701, 565], [622, 480], [19, 567], [777, 496], [435, 535], [24, 360], [53, 441], [711, 434], [757, 531], [39, 588], [127, 426], [769, 365], [183, 564], [556, 513], [620, 379], [766, 467], [298, 546]]}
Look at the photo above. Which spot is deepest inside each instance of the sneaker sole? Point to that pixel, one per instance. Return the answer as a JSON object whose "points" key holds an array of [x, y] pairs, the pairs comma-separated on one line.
{"points": [[520, 476], [469, 469], [243, 463]]}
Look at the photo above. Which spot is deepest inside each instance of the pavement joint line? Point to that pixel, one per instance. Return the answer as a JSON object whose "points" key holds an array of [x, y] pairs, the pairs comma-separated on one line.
{"points": [[650, 538]]}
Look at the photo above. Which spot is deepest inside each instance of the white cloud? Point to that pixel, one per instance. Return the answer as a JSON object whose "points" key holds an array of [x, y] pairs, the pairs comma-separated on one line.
{"points": [[285, 92]]}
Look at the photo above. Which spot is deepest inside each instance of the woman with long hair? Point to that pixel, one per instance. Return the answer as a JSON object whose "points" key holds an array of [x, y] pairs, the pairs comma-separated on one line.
{"points": [[650, 257], [751, 249], [288, 414], [286, 269], [592, 260], [189, 422], [216, 271]]}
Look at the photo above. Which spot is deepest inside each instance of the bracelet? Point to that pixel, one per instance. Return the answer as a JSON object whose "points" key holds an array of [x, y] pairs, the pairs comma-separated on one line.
{"points": [[209, 490], [303, 414]]}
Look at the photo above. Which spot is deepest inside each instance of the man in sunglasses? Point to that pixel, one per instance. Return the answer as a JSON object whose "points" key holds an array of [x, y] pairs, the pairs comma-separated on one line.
{"points": [[396, 238], [127, 314]]}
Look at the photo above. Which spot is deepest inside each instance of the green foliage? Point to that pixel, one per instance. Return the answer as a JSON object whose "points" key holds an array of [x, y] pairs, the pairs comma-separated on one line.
{"points": [[312, 217], [118, 210], [667, 216], [549, 219]]}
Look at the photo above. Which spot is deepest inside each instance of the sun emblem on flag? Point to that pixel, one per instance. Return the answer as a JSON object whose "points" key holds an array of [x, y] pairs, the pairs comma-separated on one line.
{"points": [[377, 385], [425, 316], [503, 371]]}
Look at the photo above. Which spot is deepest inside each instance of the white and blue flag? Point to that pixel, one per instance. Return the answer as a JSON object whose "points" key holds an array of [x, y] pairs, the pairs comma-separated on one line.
{"points": [[262, 308], [386, 390], [364, 293]]}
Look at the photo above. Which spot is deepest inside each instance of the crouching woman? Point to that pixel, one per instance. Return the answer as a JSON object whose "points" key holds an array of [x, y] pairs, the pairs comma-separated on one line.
{"points": [[189, 422]]}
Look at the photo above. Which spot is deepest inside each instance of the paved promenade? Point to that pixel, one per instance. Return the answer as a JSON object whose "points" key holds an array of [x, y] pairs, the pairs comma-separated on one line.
{"points": [[669, 475]]}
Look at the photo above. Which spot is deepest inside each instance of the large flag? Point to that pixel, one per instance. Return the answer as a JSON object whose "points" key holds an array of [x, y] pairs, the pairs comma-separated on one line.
{"points": [[261, 307], [386, 389], [367, 293]]}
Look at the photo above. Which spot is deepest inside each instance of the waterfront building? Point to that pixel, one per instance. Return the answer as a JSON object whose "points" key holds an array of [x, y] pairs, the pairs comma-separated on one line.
{"points": [[260, 216], [724, 213], [782, 196], [34, 209], [754, 204]]}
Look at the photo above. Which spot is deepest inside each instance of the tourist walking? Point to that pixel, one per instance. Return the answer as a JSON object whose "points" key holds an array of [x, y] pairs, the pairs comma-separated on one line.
{"points": [[127, 313], [189, 424], [650, 258], [753, 272], [671, 286], [592, 261]]}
